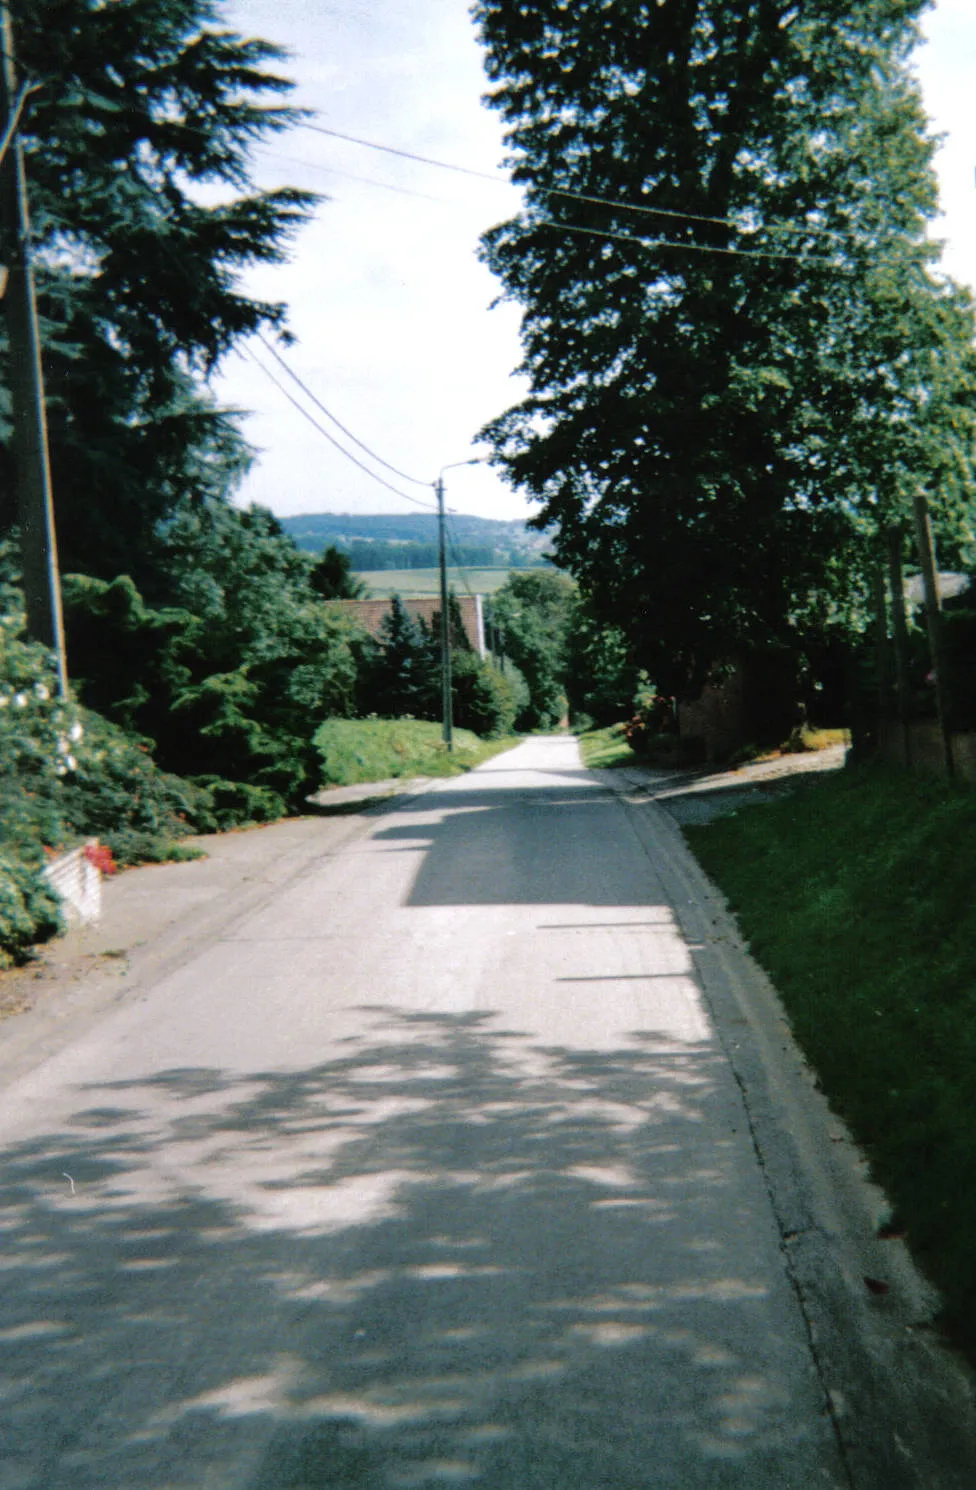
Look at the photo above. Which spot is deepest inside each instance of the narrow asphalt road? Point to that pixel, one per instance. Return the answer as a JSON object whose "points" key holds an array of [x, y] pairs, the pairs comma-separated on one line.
{"points": [[473, 1153]]}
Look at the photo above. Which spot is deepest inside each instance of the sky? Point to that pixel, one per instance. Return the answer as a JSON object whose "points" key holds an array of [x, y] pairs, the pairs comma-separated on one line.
{"points": [[396, 330]]}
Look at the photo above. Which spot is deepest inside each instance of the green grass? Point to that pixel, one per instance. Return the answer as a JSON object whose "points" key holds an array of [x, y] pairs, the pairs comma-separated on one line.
{"points": [[856, 895], [602, 748], [411, 583], [363, 750]]}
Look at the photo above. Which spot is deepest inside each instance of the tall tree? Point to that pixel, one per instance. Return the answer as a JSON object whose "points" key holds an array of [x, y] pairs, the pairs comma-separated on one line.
{"points": [[740, 362], [138, 141]]}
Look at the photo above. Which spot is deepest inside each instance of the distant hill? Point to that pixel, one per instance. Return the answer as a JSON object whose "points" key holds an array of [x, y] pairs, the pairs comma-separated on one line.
{"points": [[388, 541]]}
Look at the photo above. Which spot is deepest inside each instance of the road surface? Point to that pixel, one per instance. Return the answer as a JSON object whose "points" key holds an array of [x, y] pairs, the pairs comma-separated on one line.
{"points": [[466, 1155]]}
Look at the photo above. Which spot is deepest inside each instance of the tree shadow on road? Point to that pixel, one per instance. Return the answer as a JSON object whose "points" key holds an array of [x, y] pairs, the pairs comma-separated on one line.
{"points": [[447, 1257], [531, 848]]}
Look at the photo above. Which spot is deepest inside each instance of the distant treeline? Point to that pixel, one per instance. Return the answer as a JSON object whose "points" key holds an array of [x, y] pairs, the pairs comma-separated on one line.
{"points": [[409, 540], [365, 555]]}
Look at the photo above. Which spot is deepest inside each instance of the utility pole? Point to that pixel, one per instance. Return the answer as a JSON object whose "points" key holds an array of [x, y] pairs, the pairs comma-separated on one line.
{"points": [[933, 621], [447, 706], [35, 502], [447, 701]]}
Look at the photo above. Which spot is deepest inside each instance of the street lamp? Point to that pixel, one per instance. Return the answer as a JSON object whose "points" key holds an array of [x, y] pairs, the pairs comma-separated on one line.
{"points": [[447, 709]]}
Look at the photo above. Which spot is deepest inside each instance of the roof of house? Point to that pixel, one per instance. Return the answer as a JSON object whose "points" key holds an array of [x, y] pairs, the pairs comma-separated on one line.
{"points": [[370, 614]]}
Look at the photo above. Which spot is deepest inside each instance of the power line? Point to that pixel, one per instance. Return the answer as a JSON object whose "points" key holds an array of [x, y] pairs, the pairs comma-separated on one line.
{"points": [[246, 352], [702, 248], [806, 229], [414, 480], [316, 165], [424, 160], [454, 547]]}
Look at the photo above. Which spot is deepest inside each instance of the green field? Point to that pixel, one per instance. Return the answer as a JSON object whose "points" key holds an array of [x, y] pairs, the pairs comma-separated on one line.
{"points": [[412, 583]]}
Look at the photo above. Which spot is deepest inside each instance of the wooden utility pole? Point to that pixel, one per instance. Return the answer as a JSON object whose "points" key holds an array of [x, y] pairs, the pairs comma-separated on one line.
{"points": [[933, 621], [35, 503]]}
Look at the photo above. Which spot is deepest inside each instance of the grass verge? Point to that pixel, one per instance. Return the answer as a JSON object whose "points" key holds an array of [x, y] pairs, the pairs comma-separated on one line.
{"points": [[602, 749], [363, 750], [856, 895]]}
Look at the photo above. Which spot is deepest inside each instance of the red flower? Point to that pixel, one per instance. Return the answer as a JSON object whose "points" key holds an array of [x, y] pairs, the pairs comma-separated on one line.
{"points": [[101, 856]]}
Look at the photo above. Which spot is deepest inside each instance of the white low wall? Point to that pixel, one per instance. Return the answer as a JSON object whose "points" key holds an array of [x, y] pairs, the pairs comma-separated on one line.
{"points": [[78, 884]]}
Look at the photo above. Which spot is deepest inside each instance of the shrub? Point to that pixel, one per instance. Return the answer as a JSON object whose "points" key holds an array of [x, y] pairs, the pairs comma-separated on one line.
{"points": [[231, 804], [652, 723], [29, 909], [484, 699], [65, 775]]}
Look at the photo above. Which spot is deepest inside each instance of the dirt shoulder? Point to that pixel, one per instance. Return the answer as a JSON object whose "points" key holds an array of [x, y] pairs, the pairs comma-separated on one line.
{"points": [[154, 917], [701, 796]]}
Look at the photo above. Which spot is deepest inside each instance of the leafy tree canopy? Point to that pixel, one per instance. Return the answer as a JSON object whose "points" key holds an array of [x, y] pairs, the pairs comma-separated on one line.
{"points": [[740, 359]]}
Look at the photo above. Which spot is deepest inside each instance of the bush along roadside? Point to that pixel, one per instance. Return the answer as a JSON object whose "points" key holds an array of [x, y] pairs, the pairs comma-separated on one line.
{"points": [[855, 894], [66, 775]]}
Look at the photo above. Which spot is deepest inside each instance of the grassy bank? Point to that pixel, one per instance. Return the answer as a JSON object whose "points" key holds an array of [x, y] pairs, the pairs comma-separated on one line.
{"points": [[361, 750], [856, 895], [604, 748]]}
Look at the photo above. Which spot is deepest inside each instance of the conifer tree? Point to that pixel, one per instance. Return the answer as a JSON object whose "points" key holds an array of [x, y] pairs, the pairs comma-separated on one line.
{"points": [[138, 141]]}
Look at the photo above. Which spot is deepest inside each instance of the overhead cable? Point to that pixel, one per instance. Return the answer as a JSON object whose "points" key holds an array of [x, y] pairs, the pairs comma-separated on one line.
{"points": [[455, 550], [703, 248], [246, 352], [414, 480], [803, 230], [424, 160], [316, 165]]}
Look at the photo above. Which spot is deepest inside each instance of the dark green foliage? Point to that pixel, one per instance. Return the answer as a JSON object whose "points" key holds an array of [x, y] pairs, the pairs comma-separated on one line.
{"points": [[483, 698], [29, 910], [231, 678], [533, 612], [960, 648], [405, 676], [140, 104], [856, 896], [727, 398], [67, 775], [228, 804], [331, 576], [117, 793], [600, 673]]}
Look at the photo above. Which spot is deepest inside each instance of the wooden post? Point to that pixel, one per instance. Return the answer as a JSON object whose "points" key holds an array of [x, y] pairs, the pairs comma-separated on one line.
{"points": [[933, 621], [899, 627], [883, 651]]}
